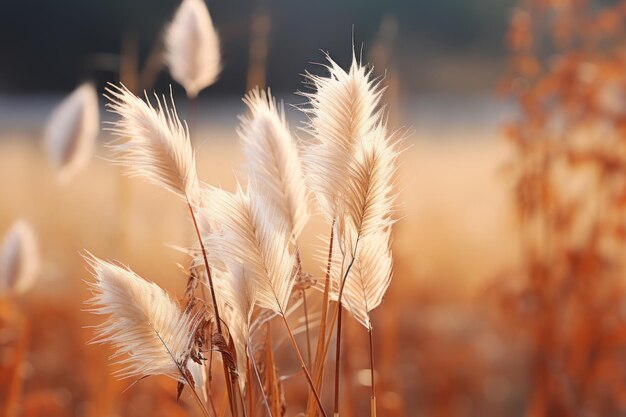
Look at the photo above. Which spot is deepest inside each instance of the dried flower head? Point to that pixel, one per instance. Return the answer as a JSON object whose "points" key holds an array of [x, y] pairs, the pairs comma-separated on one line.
{"points": [[344, 108], [192, 47], [150, 333], [71, 131], [272, 158], [19, 259], [153, 143], [252, 235]]}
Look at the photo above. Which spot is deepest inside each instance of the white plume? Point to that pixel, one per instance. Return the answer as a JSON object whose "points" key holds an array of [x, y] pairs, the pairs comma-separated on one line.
{"points": [[192, 47], [369, 277], [251, 234], [146, 327], [19, 259], [370, 196], [71, 131], [153, 143], [272, 158], [344, 108]]}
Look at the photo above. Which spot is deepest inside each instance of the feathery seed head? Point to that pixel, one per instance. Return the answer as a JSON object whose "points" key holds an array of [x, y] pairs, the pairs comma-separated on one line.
{"points": [[150, 333], [153, 143], [19, 259], [342, 110], [71, 131], [273, 160], [192, 47], [251, 234]]}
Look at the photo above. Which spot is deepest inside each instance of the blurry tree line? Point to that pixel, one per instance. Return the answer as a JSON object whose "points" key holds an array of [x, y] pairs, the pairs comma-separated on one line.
{"points": [[49, 45]]}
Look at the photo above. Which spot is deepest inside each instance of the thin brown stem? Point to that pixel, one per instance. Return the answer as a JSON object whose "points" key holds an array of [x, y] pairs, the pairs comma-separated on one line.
{"points": [[227, 378], [319, 353], [373, 394], [191, 115], [306, 310], [337, 357], [306, 325], [258, 378], [303, 366], [337, 318], [205, 411], [249, 383]]}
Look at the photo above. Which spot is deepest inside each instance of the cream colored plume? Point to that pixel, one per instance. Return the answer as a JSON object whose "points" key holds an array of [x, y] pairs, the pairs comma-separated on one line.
{"points": [[370, 196], [192, 47], [19, 259], [369, 277], [251, 234], [344, 108], [369, 203], [153, 143], [150, 333], [272, 159], [71, 132]]}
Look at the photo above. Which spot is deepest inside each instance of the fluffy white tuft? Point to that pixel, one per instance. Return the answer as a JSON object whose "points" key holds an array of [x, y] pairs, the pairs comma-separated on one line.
{"points": [[146, 327], [272, 158], [192, 47], [251, 234], [19, 259], [369, 277], [71, 131], [344, 108], [153, 143], [370, 196]]}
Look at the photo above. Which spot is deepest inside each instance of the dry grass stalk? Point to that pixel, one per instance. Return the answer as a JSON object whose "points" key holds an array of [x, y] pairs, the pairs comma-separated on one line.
{"points": [[248, 255], [350, 144], [71, 132]]}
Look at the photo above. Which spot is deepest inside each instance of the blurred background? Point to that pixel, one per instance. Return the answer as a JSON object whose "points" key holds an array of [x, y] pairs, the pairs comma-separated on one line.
{"points": [[507, 297]]}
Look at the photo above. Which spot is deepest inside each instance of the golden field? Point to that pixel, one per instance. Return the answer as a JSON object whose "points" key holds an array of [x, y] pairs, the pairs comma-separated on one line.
{"points": [[445, 260]]}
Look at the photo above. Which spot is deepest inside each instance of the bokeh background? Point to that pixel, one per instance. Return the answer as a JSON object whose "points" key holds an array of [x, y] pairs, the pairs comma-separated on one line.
{"points": [[483, 317]]}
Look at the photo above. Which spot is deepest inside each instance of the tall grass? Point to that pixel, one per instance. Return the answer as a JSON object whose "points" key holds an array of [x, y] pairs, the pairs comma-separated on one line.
{"points": [[247, 255]]}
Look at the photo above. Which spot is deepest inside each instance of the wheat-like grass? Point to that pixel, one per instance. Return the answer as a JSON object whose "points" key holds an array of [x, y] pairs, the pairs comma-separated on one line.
{"points": [[343, 109], [273, 160], [192, 47], [71, 132], [250, 233], [19, 259], [150, 333], [371, 275], [153, 143]]}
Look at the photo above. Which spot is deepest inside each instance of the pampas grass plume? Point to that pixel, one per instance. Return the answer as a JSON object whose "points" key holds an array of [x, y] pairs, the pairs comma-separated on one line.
{"points": [[272, 158], [19, 259], [251, 234], [153, 143], [343, 108], [72, 130], [192, 47], [150, 333]]}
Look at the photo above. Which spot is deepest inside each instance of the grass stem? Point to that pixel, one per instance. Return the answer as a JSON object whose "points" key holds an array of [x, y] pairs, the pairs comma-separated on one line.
{"points": [[370, 331], [227, 378], [319, 353], [303, 366]]}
